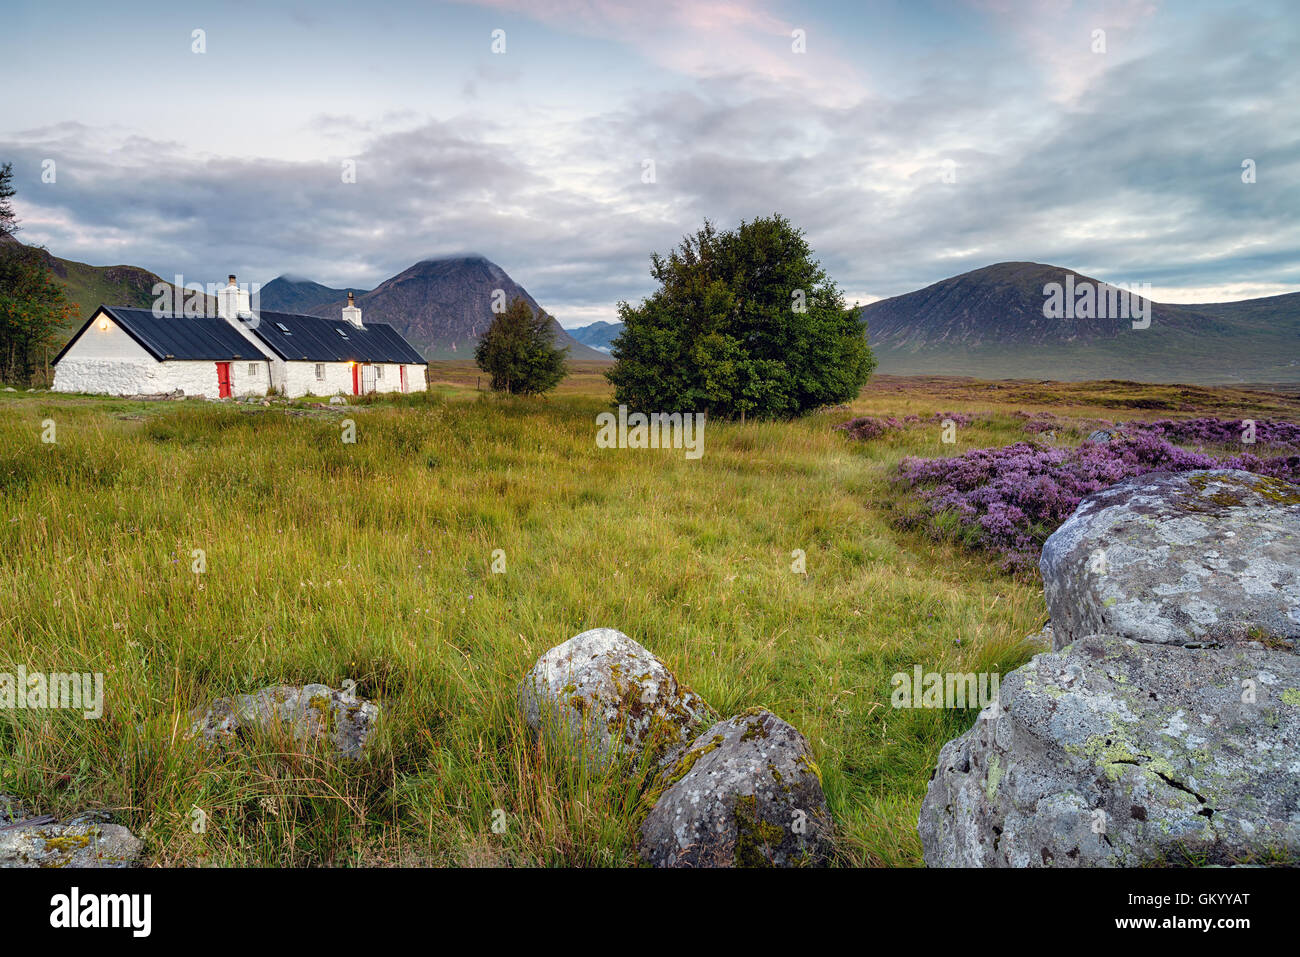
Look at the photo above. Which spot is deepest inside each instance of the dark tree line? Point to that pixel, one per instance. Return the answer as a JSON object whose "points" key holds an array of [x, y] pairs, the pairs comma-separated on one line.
{"points": [[33, 306]]}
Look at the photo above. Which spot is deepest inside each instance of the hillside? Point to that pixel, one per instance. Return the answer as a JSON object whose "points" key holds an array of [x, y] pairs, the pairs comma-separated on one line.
{"points": [[90, 286], [283, 294], [989, 323], [598, 335], [441, 306]]}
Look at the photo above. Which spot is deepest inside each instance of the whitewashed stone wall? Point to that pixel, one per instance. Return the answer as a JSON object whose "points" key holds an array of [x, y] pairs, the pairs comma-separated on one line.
{"points": [[103, 376], [248, 377], [138, 377], [416, 381], [300, 378]]}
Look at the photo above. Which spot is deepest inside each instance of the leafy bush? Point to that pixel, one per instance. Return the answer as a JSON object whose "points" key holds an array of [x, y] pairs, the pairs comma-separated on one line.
{"points": [[744, 322], [519, 352]]}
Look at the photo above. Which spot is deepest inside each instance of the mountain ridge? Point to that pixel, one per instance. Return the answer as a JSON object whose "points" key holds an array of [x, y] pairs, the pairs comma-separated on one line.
{"points": [[88, 287], [599, 335], [441, 306], [989, 322]]}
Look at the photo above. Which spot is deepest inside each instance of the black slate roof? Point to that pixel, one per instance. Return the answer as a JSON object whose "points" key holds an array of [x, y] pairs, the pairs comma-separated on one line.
{"points": [[176, 337], [297, 338], [292, 337]]}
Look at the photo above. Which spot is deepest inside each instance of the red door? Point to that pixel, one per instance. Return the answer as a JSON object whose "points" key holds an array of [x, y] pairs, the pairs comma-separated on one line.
{"points": [[223, 380], [402, 370], [356, 379]]}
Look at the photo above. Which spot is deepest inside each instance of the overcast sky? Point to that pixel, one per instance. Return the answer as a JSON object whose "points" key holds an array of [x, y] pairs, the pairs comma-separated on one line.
{"points": [[911, 141]]}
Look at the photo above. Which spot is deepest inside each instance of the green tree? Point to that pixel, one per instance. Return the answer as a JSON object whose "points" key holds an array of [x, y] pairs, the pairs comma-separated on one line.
{"points": [[518, 351], [33, 305], [8, 221], [744, 323]]}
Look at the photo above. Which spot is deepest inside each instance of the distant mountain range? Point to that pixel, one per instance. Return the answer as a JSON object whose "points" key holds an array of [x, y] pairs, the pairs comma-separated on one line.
{"points": [[300, 296], [442, 306], [598, 335], [989, 323]]}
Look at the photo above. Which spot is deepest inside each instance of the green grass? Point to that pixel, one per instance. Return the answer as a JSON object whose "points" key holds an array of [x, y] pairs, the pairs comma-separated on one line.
{"points": [[371, 561]]}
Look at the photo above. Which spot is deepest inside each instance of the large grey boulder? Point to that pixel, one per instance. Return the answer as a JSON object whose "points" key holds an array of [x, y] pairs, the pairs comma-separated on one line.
{"points": [[602, 695], [1164, 726], [85, 840], [1118, 753], [746, 793], [310, 714], [1190, 558]]}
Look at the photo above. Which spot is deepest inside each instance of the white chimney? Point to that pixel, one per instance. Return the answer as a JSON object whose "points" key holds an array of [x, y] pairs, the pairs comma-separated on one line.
{"points": [[232, 302], [351, 313]]}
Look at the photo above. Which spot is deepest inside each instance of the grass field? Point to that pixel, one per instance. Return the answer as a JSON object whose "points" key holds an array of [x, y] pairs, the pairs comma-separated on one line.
{"points": [[371, 561]]}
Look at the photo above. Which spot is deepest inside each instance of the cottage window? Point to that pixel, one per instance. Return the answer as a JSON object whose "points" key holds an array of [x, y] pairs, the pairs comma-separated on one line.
{"points": [[379, 372], [320, 371], [252, 368]]}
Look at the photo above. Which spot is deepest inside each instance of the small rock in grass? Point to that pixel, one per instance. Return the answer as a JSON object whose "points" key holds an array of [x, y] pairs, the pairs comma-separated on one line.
{"points": [[1042, 638], [85, 840], [746, 793], [310, 713], [603, 695]]}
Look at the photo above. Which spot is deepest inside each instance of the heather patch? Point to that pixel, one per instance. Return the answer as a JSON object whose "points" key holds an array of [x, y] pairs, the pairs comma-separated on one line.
{"points": [[1200, 431], [867, 427], [1208, 430], [1009, 500]]}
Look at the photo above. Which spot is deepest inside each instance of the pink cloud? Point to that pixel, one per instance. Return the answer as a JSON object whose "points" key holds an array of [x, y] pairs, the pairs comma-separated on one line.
{"points": [[703, 38]]}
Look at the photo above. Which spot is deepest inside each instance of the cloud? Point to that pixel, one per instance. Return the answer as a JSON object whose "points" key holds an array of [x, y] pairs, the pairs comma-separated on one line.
{"points": [[707, 38], [1135, 178]]}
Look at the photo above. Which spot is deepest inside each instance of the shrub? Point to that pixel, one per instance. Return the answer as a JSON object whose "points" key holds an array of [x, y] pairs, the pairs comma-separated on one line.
{"points": [[867, 427], [519, 352], [744, 322], [1208, 430]]}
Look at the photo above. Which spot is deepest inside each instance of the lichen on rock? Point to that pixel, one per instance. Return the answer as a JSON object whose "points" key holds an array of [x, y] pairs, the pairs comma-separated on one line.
{"points": [[84, 840], [746, 793], [1162, 729], [1116, 753], [309, 714], [602, 695], [1189, 558]]}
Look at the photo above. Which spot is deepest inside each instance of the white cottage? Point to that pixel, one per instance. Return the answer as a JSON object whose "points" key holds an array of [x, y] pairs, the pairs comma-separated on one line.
{"points": [[122, 351], [135, 352]]}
